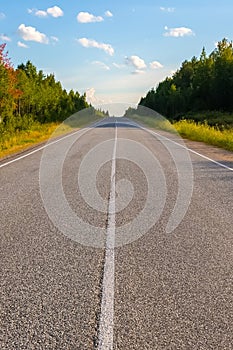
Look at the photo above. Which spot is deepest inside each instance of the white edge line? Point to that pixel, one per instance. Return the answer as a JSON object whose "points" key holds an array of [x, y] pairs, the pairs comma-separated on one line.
{"points": [[185, 147], [106, 325], [48, 144]]}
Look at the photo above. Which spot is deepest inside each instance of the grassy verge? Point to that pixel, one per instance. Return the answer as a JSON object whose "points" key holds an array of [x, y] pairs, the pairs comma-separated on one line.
{"points": [[21, 140], [158, 123], [212, 118], [11, 143], [205, 133]]}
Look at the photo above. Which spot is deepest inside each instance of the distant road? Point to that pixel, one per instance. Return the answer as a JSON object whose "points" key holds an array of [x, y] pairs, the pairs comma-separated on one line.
{"points": [[162, 290]]}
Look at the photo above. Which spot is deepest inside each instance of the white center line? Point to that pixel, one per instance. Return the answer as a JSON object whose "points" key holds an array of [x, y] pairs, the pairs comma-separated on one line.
{"points": [[106, 326]]}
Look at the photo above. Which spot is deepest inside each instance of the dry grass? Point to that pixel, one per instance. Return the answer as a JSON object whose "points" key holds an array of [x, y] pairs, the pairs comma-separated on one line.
{"points": [[211, 135], [10, 144], [205, 133]]}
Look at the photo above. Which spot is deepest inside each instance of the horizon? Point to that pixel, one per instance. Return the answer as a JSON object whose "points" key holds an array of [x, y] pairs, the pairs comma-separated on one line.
{"points": [[115, 53]]}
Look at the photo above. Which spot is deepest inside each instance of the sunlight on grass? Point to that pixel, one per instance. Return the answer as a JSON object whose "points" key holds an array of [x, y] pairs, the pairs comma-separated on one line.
{"points": [[159, 123], [205, 133], [22, 140]]}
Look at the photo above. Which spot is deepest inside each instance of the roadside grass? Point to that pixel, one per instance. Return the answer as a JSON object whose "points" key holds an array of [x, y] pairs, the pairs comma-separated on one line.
{"points": [[201, 131], [11, 143], [223, 120], [21, 140], [154, 122]]}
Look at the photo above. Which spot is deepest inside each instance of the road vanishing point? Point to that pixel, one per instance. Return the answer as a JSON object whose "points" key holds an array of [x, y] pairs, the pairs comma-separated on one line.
{"points": [[117, 237]]}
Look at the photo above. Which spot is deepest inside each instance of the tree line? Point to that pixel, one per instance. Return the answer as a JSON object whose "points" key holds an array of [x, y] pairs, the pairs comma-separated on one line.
{"points": [[28, 96], [201, 84]]}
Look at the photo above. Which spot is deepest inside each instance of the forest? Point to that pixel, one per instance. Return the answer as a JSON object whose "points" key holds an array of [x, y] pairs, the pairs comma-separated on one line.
{"points": [[28, 96], [201, 90]]}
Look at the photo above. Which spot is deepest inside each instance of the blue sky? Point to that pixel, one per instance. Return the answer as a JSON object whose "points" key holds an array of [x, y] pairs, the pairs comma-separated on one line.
{"points": [[113, 50]]}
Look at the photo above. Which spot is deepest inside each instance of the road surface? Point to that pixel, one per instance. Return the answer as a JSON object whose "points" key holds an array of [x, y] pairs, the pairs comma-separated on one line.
{"points": [[65, 287]]}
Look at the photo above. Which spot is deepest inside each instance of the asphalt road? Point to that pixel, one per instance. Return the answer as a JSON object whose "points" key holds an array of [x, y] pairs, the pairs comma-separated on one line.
{"points": [[162, 290]]}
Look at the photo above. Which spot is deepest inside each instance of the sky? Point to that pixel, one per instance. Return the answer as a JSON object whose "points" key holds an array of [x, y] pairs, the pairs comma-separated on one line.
{"points": [[115, 51]]}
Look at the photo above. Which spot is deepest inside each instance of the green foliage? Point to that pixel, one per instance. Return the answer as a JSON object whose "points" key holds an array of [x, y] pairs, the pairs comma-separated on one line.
{"points": [[192, 130], [203, 132], [204, 84], [29, 96], [21, 139], [153, 122], [44, 97]]}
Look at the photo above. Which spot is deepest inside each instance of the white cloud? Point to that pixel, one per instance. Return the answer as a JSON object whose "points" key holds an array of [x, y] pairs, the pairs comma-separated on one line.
{"points": [[101, 65], [178, 32], [90, 95], [55, 11], [92, 98], [136, 62], [4, 37], [54, 39], [108, 14], [167, 9], [92, 43], [2, 15], [121, 88], [138, 71], [155, 65], [118, 66], [31, 34], [20, 44], [86, 17], [41, 13], [38, 13]]}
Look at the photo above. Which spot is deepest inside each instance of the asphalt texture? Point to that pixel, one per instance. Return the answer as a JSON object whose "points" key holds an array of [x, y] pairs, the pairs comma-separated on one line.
{"points": [[172, 290]]}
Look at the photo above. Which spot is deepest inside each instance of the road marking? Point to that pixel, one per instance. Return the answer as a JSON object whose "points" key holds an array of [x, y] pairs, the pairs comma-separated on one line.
{"points": [[194, 152], [84, 131], [185, 147], [106, 325]]}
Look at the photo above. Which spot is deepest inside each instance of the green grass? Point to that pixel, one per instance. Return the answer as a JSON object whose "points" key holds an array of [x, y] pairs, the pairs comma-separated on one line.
{"points": [[157, 122], [21, 140], [11, 143], [220, 119], [203, 132], [212, 135]]}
